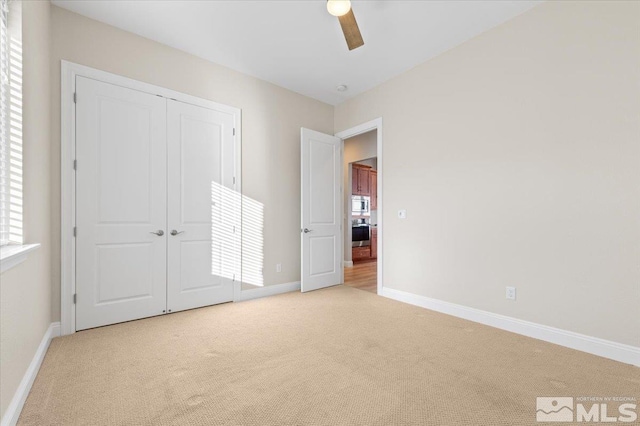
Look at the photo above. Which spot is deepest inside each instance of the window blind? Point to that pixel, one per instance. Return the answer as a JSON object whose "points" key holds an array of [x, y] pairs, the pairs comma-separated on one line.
{"points": [[10, 130], [4, 124]]}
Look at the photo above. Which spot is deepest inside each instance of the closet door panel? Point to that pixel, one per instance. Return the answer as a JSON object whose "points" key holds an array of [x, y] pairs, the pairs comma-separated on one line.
{"points": [[204, 208], [120, 204]]}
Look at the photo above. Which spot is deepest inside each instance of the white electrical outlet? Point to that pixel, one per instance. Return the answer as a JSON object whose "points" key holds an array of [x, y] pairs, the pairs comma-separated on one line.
{"points": [[402, 214], [511, 293], [279, 267]]}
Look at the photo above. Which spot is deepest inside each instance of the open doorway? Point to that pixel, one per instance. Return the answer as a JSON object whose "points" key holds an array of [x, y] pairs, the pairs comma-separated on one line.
{"points": [[361, 211]]}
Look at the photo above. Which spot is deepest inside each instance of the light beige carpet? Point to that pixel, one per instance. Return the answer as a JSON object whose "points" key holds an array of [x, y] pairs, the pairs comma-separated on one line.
{"points": [[338, 356]]}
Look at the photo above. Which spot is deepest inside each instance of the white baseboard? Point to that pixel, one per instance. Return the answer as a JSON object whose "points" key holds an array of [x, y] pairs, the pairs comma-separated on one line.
{"points": [[348, 263], [593, 345], [14, 409], [269, 290]]}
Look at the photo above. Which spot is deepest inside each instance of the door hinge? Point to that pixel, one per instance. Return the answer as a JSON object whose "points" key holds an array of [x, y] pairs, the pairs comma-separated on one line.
{"points": [[75, 164], [234, 180], [234, 131], [75, 231], [75, 298], [234, 277], [75, 98]]}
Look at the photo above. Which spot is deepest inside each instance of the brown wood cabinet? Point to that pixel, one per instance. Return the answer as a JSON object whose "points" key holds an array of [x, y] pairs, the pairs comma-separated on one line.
{"points": [[360, 180], [374, 242], [360, 253], [373, 186]]}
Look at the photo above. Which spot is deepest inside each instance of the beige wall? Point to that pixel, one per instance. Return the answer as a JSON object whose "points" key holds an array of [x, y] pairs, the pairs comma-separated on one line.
{"points": [[360, 147], [271, 121], [516, 156], [25, 291]]}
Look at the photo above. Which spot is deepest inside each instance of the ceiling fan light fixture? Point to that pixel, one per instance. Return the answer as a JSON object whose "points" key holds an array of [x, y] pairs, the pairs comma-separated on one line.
{"points": [[338, 7]]}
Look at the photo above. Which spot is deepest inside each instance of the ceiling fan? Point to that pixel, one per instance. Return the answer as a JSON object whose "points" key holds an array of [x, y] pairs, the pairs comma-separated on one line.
{"points": [[342, 9]]}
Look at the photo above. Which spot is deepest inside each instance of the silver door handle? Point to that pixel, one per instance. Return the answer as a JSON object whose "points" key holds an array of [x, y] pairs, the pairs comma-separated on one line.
{"points": [[159, 233], [306, 230], [174, 232]]}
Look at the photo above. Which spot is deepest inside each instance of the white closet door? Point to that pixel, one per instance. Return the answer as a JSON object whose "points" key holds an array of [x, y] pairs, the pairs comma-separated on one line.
{"points": [[204, 208], [120, 204]]}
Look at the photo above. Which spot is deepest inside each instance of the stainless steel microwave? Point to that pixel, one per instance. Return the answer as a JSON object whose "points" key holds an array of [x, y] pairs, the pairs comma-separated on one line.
{"points": [[360, 205]]}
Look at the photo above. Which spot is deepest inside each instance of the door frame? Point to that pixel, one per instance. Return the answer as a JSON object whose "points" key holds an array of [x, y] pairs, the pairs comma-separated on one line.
{"points": [[69, 71], [375, 124]]}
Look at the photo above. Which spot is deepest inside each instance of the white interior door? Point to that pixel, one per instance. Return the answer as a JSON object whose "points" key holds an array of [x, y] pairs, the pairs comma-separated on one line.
{"points": [[120, 204], [321, 232], [204, 207]]}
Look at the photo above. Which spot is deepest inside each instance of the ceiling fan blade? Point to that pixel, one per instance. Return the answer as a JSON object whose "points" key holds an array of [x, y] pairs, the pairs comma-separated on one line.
{"points": [[351, 30]]}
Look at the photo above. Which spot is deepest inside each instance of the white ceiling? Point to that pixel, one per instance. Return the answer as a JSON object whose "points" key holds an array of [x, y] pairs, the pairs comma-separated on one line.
{"points": [[297, 44]]}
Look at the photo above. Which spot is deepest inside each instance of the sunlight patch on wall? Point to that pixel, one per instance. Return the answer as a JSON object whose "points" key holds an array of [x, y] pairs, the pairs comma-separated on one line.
{"points": [[237, 236], [252, 237]]}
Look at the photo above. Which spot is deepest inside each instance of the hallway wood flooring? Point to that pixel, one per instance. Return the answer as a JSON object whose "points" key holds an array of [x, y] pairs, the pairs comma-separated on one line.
{"points": [[363, 276]]}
